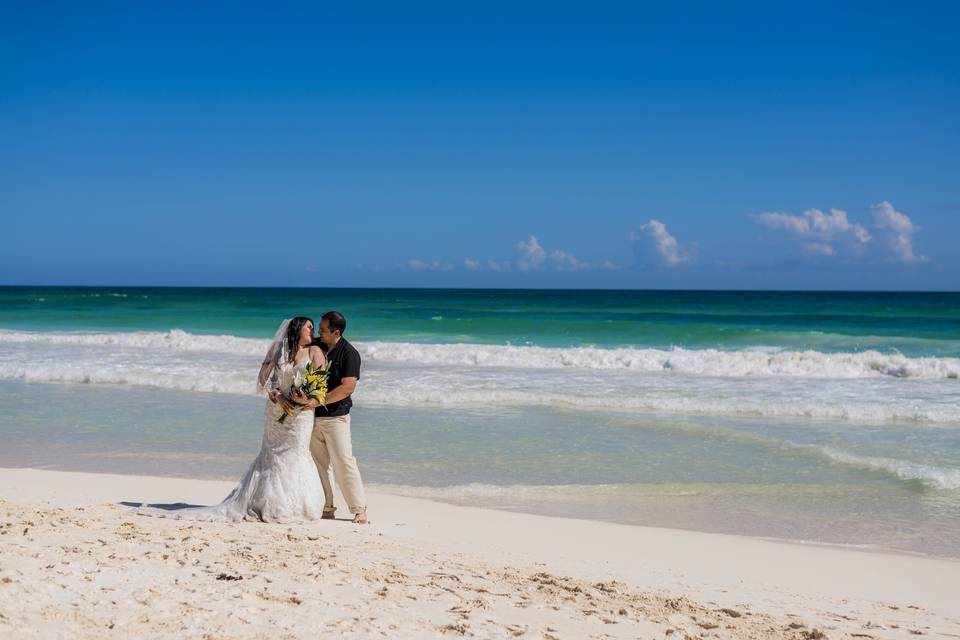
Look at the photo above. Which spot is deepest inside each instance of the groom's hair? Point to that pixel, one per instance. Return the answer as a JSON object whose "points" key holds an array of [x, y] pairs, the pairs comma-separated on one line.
{"points": [[335, 321]]}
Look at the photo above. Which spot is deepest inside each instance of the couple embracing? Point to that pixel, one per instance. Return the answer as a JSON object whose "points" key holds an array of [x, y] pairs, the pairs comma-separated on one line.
{"points": [[302, 438]]}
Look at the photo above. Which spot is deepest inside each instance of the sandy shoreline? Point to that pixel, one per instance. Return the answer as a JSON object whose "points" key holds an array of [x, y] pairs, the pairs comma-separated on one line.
{"points": [[74, 562]]}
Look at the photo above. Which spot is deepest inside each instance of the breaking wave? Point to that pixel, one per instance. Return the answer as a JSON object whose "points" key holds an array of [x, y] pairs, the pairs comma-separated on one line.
{"points": [[929, 475], [758, 382], [708, 362]]}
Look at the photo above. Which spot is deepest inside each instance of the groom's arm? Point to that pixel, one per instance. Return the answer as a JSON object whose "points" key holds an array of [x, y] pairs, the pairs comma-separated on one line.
{"points": [[350, 373], [347, 386]]}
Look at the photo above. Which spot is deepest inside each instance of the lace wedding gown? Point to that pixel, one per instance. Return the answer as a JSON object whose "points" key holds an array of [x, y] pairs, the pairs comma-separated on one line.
{"points": [[282, 484]]}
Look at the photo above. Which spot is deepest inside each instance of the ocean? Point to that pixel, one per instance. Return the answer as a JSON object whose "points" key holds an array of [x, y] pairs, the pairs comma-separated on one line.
{"points": [[826, 417]]}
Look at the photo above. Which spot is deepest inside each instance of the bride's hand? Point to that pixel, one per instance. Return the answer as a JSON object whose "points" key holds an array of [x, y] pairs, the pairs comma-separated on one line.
{"points": [[305, 401], [280, 399]]}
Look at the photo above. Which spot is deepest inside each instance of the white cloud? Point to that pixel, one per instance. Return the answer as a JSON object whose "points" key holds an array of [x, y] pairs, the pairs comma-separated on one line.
{"points": [[899, 230], [530, 255], [818, 228], [777, 220], [825, 234], [821, 248], [835, 223], [563, 261], [490, 265], [434, 265], [418, 265], [665, 245], [499, 267], [819, 231]]}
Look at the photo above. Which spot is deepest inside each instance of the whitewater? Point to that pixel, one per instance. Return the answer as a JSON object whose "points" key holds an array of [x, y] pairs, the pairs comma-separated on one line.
{"points": [[756, 381]]}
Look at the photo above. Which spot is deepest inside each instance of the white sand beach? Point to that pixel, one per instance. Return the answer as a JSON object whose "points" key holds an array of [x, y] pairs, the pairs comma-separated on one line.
{"points": [[76, 563]]}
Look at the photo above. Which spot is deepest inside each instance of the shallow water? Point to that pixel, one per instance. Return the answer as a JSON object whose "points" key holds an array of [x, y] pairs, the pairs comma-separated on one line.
{"points": [[794, 479]]}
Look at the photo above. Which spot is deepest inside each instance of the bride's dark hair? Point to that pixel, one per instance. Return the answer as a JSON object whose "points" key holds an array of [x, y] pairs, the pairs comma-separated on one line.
{"points": [[293, 334]]}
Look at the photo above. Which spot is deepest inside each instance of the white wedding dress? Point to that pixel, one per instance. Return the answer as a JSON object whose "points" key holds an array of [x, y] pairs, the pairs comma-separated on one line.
{"points": [[282, 484]]}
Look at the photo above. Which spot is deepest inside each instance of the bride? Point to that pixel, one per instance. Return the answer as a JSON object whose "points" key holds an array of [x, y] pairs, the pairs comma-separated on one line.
{"points": [[282, 484]]}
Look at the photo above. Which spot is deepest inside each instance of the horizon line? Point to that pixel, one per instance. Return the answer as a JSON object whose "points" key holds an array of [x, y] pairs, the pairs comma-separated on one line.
{"points": [[429, 288]]}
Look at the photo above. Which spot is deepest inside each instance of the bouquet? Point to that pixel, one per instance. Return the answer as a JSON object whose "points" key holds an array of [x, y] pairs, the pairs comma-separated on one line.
{"points": [[312, 382]]}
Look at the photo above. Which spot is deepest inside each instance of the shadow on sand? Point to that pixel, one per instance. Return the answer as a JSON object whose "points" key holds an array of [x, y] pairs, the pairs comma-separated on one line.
{"points": [[174, 506]]}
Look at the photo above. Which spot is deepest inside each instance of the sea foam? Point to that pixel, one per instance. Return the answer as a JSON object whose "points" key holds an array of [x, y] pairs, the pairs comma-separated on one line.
{"points": [[848, 386], [930, 475], [756, 361]]}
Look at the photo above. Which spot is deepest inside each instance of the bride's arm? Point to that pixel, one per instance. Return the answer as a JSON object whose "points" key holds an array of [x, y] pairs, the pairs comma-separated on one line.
{"points": [[317, 357], [266, 368]]}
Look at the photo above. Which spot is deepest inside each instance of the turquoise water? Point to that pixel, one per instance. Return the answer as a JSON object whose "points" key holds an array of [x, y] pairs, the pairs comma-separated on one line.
{"points": [[912, 323], [829, 417]]}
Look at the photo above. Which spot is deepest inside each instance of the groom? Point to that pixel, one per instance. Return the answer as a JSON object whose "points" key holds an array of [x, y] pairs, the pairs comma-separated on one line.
{"points": [[330, 443]]}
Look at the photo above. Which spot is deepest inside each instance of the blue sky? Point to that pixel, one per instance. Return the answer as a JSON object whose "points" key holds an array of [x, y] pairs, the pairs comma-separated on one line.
{"points": [[684, 145]]}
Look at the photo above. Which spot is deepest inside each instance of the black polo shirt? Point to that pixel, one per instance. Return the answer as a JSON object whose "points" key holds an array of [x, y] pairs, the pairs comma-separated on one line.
{"points": [[344, 363]]}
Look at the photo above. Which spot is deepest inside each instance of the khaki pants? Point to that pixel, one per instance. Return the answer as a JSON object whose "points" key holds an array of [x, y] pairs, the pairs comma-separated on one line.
{"points": [[330, 445]]}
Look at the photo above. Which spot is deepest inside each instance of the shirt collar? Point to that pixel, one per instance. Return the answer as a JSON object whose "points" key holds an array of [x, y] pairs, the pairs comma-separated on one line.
{"points": [[337, 346]]}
